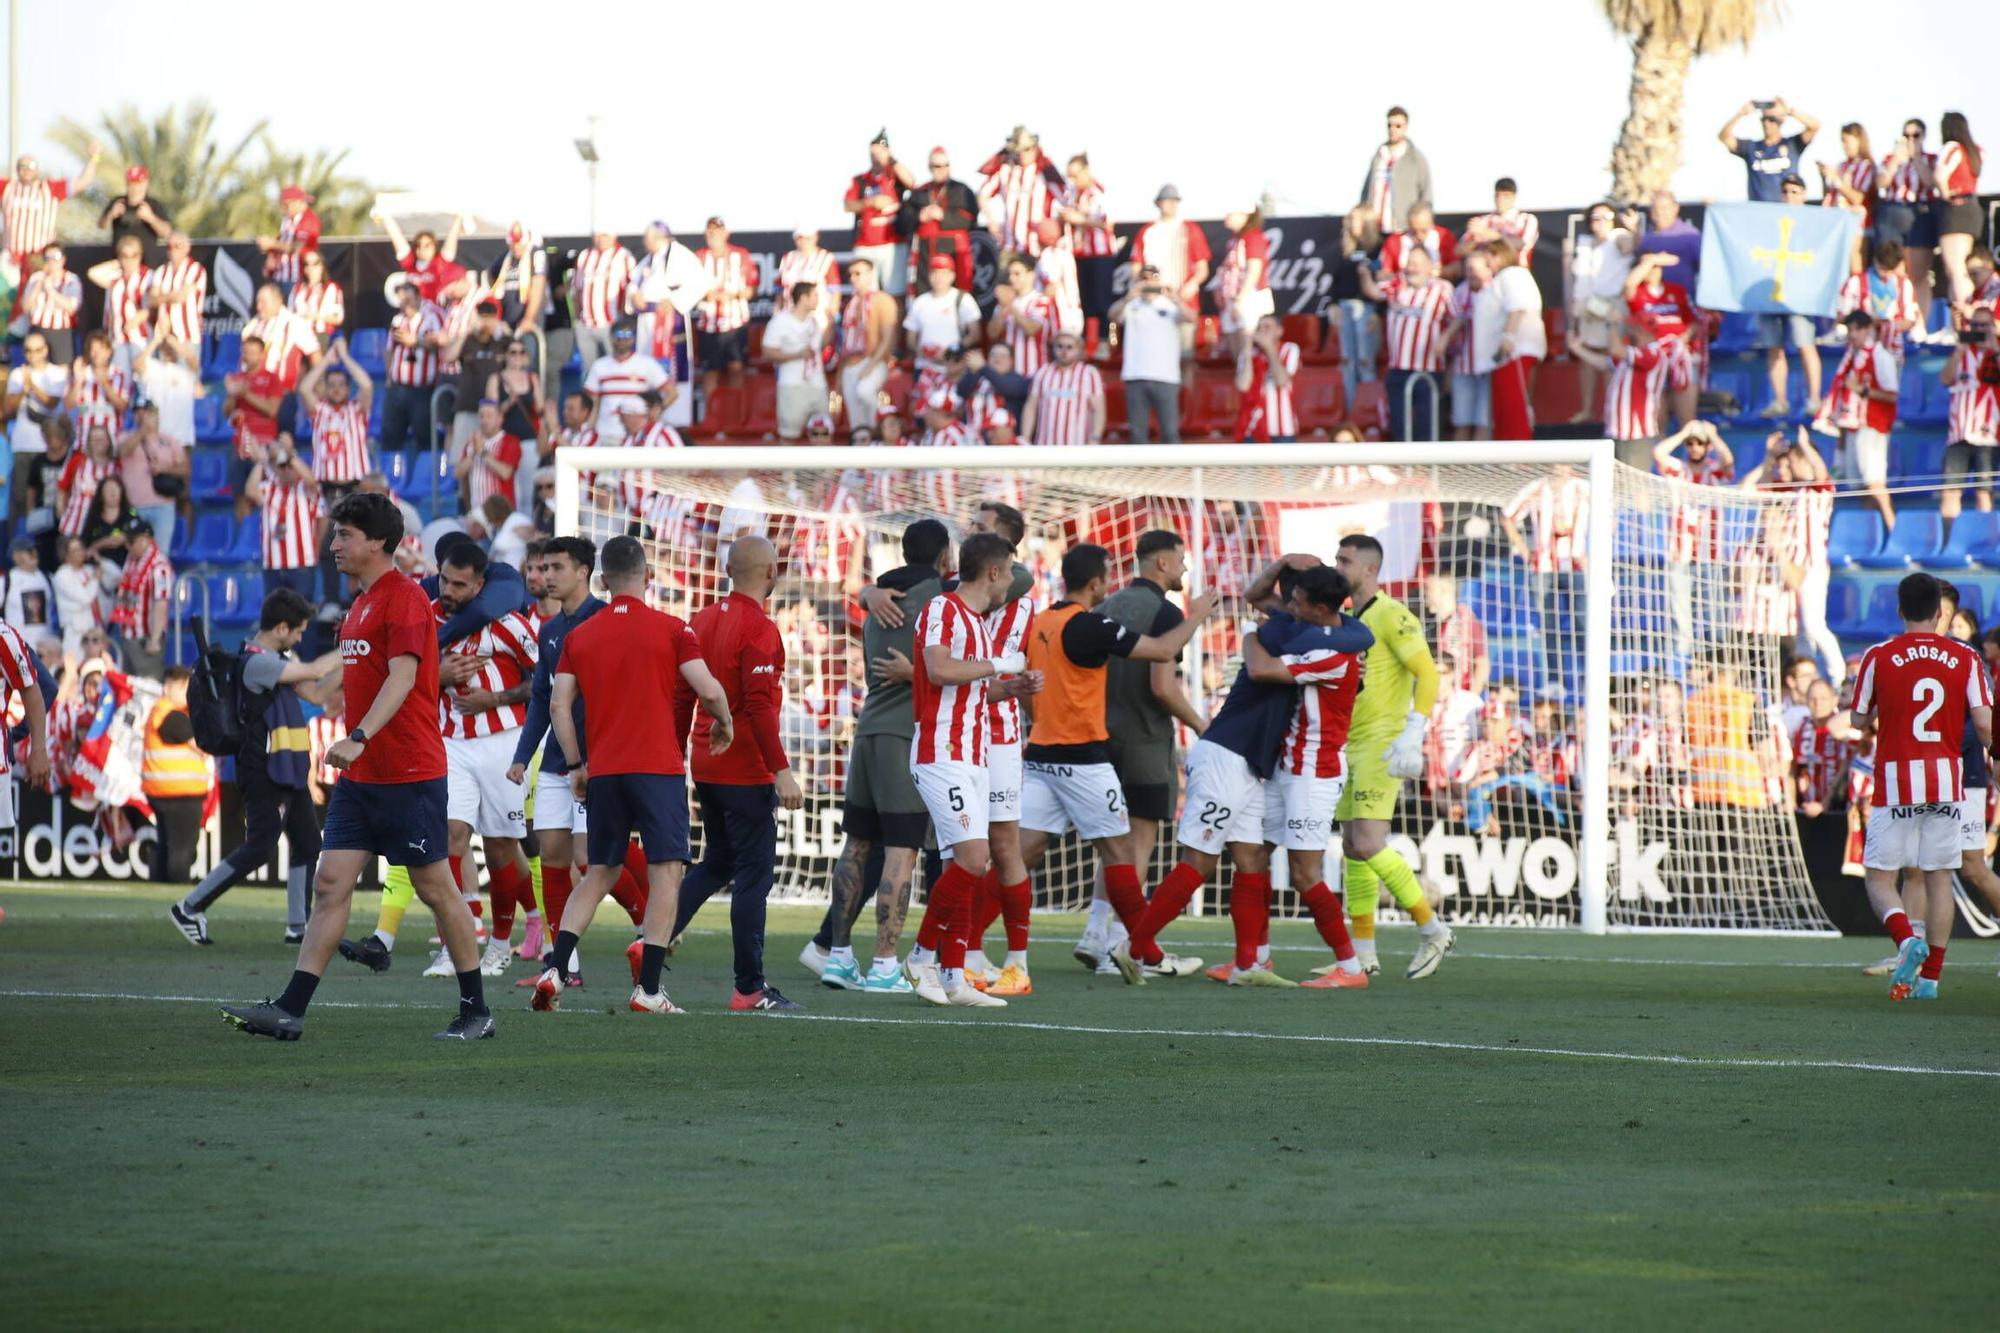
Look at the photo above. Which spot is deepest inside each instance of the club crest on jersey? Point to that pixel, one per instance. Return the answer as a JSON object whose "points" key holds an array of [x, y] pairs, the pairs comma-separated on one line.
{"points": [[965, 821]]}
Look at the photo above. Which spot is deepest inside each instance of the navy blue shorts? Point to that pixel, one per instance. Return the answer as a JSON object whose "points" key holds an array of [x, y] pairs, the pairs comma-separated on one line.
{"points": [[652, 805], [403, 822]]}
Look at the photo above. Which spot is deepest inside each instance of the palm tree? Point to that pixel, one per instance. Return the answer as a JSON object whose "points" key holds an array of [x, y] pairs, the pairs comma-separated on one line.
{"points": [[1666, 36], [194, 174], [342, 201]]}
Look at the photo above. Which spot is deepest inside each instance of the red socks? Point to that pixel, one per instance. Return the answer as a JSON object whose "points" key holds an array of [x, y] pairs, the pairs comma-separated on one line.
{"points": [[630, 894], [457, 864], [504, 887], [930, 927], [1017, 902], [1325, 906], [555, 894], [1126, 895], [1169, 901], [1898, 923], [986, 909], [1249, 912], [953, 898], [1933, 967]]}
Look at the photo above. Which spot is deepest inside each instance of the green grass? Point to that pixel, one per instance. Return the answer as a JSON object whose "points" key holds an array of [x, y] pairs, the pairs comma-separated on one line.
{"points": [[1188, 1159]]}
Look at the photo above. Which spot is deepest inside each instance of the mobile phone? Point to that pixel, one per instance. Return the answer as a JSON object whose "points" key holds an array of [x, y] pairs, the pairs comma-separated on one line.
{"points": [[1764, 105]]}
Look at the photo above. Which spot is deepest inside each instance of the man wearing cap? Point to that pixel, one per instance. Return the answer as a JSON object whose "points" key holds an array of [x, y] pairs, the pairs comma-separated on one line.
{"points": [[875, 197], [520, 279], [480, 352], [942, 318], [144, 456], [723, 317], [807, 262], [136, 214], [143, 602], [29, 200], [938, 217], [1178, 250], [792, 342], [298, 232], [626, 371], [599, 288]]}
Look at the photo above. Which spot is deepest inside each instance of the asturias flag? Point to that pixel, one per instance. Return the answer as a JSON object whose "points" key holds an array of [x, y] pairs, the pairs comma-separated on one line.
{"points": [[1774, 259]]}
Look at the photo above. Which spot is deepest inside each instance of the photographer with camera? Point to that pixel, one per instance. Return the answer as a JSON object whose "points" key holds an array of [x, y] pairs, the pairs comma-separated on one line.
{"points": [[1973, 373], [1152, 319]]}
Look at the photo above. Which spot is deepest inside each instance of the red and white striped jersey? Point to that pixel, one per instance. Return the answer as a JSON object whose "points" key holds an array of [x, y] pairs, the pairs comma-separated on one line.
{"points": [[1328, 684], [1920, 688], [1173, 246], [1975, 398], [126, 318], [29, 210], [1821, 757], [1031, 350], [43, 300], [1023, 198], [732, 277], [417, 365], [1415, 319], [601, 284], [952, 435], [299, 229], [93, 405], [1632, 396], [818, 268], [1007, 630], [1516, 224], [1765, 606], [1235, 271], [1805, 522], [1055, 274], [1902, 185], [291, 512], [1556, 510], [482, 480], [80, 478], [183, 317], [1093, 241], [144, 583], [288, 339], [1265, 412], [17, 673], [1460, 361], [1440, 244], [1887, 298], [631, 482], [1462, 636], [951, 719], [321, 305], [509, 645], [1857, 173], [1062, 396], [339, 441], [1850, 409], [1697, 530]]}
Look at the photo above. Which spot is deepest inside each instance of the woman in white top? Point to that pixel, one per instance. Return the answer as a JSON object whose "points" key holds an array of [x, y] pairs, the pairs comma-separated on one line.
{"points": [[79, 584], [1597, 269], [1507, 335]]}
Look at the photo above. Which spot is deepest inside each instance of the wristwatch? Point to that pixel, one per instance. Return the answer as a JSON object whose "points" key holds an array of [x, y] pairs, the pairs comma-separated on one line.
{"points": [[358, 736]]}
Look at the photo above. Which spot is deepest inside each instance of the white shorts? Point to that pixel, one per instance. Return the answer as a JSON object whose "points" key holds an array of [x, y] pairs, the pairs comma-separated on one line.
{"points": [[477, 790], [1921, 837], [1250, 307], [1224, 801], [1003, 783], [1972, 820], [1868, 455], [1056, 798], [556, 807], [7, 802], [955, 795], [1298, 811]]}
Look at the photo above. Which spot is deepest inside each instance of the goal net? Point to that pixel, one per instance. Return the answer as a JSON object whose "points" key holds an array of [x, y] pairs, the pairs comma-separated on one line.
{"points": [[1606, 750]]}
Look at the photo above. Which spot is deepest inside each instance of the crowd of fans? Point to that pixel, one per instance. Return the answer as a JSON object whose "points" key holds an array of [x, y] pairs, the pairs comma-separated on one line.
{"points": [[895, 342]]}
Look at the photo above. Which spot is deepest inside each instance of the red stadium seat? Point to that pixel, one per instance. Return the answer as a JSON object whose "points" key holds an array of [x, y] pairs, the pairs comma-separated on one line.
{"points": [[1370, 409], [1115, 423], [1558, 390], [760, 410], [1331, 352], [756, 342], [1308, 331], [1213, 410], [1209, 348], [1555, 323], [1320, 396], [722, 415]]}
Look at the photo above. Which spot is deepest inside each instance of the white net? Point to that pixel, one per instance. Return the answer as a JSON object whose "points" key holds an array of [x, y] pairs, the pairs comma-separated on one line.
{"points": [[1491, 555]]}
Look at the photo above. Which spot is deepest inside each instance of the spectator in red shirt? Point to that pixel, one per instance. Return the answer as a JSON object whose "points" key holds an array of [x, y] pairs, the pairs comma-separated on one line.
{"points": [[1423, 232], [251, 399], [298, 235], [741, 785], [1667, 314], [431, 265], [875, 197], [627, 664]]}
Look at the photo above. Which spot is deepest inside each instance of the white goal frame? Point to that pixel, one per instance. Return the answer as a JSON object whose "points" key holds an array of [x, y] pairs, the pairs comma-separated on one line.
{"points": [[1595, 457]]}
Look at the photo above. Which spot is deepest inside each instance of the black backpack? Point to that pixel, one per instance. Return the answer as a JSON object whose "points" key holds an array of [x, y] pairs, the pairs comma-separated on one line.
{"points": [[216, 697]]}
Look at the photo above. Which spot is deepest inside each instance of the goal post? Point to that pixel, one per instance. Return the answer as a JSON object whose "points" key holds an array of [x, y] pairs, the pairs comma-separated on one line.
{"points": [[1571, 814]]}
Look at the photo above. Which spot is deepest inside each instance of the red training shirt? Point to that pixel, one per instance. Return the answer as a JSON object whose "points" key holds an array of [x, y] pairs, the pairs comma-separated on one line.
{"points": [[627, 662], [742, 647], [391, 619]]}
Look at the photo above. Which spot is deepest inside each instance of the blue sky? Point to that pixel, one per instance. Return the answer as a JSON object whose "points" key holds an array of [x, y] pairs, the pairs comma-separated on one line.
{"points": [[1294, 109]]}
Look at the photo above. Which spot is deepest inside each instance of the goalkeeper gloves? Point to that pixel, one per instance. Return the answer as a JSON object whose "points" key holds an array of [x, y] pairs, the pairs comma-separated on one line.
{"points": [[1010, 664], [1405, 755]]}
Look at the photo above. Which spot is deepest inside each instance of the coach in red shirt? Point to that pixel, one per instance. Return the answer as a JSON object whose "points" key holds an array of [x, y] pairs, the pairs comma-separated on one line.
{"points": [[390, 800], [627, 663], [740, 786]]}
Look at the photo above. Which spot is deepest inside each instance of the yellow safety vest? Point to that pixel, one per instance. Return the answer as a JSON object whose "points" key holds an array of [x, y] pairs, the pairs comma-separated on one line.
{"points": [[169, 769]]}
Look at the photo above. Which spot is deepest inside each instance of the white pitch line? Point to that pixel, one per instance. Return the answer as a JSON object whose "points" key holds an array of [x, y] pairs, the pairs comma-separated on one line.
{"points": [[1236, 1034]]}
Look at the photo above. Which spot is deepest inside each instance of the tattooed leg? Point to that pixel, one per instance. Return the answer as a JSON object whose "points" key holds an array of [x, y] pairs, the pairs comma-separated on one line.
{"points": [[847, 892], [892, 902]]}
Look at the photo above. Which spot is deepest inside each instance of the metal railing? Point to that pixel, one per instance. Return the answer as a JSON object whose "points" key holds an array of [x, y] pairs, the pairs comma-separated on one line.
{"points": [[182, 584]]}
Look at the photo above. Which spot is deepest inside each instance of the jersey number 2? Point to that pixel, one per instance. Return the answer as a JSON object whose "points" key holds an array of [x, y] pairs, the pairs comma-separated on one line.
{"points": [[1930, 692]]}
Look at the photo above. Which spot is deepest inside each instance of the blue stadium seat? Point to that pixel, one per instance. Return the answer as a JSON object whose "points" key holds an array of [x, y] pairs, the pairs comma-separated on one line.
{"points": [[415, 484], [369, 348], [208, 473], [1502, 605], [249, 544], [1641, 538], [375, 415], [1735, 378], [1843, 609], [241, 601], [210, 425], [1972, 598], [1737, 334], [1971, 532], [1883, 619], [1917, 533], [225, 356], [210, 543], [1630, 664], [1916, 456], [1855, 532]]}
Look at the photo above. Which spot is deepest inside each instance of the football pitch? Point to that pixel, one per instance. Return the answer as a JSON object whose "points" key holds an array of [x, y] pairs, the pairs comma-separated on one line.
{"points": [[1553, 1131]]}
